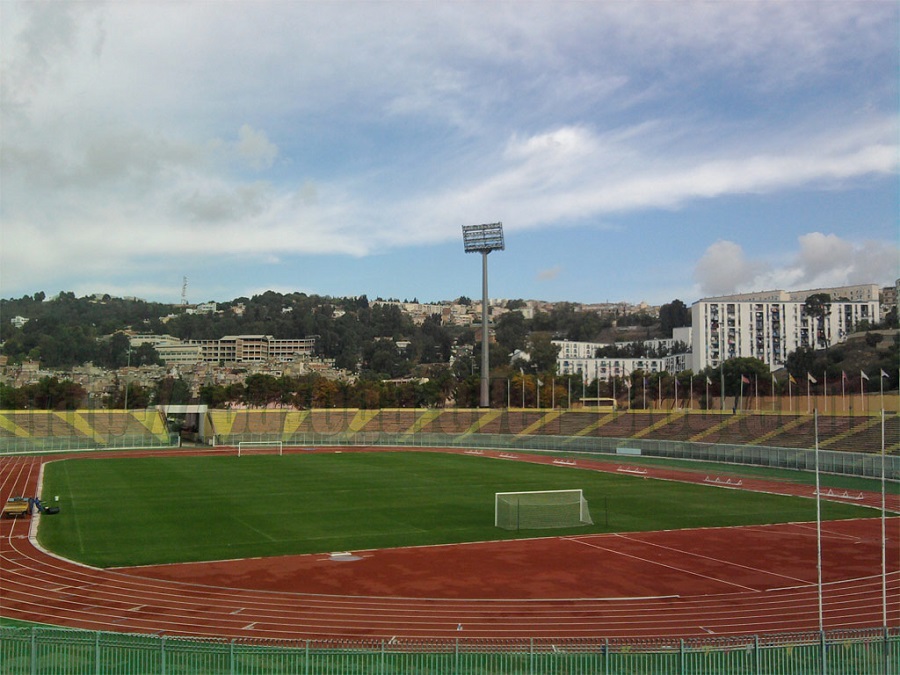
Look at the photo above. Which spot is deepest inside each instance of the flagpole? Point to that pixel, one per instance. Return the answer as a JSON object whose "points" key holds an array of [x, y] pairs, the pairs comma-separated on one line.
{"points": [[756, 389], [883, 534], [773, 392], [707, 393], [843, 400], [819, 530], [808, 402], [825, 385], [691, 395], [862, 390]]}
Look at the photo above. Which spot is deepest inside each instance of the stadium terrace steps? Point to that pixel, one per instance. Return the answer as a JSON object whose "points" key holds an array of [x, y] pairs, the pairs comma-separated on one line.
{"points": [[77, 422], [535, 426], [857, 433], [593, 426], [422, 421], [661, 423], [713, 429], [10, 428], [683, 426], [293, 421], [361, 419], [853, 429], [483, 420]]}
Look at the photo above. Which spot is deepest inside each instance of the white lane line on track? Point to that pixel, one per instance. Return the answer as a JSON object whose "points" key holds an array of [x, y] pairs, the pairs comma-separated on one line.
{"points": [[659, 564], [710, 558]]}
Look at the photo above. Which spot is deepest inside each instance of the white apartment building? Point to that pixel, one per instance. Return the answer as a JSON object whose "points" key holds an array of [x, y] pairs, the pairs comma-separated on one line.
{"points": [[770, 325], [579, 357], [229, 349], [253, 349]]}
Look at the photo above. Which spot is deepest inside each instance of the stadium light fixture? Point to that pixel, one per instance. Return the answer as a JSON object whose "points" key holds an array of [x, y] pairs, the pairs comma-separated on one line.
{"points": [[483, 239]]}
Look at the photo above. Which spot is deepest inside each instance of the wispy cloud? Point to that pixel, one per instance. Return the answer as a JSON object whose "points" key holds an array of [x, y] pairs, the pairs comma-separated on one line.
{"points": [[264, 130], [820, 260]]}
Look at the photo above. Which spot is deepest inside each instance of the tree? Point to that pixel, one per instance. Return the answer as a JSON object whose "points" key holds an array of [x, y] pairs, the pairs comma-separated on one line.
{"points": [[543, 353], [511, 332], [800, 362], [818, 307], [673, 315]]}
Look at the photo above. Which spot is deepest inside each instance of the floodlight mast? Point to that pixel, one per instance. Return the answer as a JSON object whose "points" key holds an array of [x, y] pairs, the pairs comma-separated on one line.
{"points": [[483, 239]]}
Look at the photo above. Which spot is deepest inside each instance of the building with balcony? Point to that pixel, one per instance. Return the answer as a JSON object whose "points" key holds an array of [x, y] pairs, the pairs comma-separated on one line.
{"points": [[769, 326]]}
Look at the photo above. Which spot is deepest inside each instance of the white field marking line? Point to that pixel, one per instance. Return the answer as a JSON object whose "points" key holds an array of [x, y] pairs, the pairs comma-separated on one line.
{"points": [[671, 567], [72, 498], [830, 535], [706, 557], [255, 529]]}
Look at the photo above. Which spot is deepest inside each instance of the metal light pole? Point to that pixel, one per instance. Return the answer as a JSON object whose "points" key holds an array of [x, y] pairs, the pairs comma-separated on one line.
{"points": [[484, 239]]}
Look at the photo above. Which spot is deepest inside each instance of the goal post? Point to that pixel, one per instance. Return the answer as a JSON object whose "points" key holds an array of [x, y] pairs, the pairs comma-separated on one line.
{"points": [[260, 447], [541, 509]]}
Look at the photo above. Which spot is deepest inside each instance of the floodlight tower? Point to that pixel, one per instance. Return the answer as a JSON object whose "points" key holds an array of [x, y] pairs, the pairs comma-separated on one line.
{"points": [[484, 239]]}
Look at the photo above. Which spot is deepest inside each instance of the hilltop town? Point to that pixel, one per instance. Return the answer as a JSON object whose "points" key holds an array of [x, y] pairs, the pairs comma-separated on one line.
{"points": [[101, 351]]}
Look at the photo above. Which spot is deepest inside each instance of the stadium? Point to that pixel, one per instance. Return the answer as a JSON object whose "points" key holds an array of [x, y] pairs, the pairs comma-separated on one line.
{"points": [[698, 542]]}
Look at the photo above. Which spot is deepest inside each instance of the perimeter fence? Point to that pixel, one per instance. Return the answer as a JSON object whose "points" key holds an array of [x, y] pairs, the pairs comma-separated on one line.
{"points": [[39, 650], [830, 461]]}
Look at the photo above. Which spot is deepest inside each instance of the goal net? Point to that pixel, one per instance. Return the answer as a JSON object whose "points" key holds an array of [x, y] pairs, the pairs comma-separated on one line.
{"points": [[541, 509], [260, 447]]}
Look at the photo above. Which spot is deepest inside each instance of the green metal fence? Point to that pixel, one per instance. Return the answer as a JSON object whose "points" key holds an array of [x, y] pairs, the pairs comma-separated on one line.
{"points": [[41, 444], [830, 461], [57, 651]]}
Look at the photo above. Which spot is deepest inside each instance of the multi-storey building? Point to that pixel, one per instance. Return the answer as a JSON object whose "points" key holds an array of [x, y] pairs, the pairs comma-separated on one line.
{"points": [[253, 349], [229, 349], [580, 357], [769, 326]]}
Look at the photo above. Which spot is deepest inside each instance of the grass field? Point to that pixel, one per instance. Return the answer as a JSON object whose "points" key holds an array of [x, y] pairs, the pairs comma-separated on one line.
{"points": [[134, 511]]}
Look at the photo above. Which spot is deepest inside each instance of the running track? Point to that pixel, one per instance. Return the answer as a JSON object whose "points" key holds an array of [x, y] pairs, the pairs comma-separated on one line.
{"points": [[684, 583]]}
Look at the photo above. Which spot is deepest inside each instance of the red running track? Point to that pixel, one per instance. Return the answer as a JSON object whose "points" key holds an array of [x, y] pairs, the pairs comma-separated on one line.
{"points": [[681, 583]]}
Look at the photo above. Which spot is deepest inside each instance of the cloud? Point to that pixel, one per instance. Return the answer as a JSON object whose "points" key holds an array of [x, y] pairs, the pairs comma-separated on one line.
{"points": [[549, 274], [724, 268], [128, 128], [255, 148], [820, 261]]}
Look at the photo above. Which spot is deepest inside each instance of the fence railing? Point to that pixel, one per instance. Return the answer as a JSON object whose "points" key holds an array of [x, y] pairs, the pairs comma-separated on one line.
{"points": [[830, 461], [38, 444], [39, 650]]}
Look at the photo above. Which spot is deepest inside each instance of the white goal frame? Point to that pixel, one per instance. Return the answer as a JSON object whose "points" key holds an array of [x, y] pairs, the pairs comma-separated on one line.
{"points": [[536, 499], [247, 445]]}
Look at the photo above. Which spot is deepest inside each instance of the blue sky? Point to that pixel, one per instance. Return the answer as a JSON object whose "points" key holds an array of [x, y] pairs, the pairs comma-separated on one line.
{"points": [[634, 151]]}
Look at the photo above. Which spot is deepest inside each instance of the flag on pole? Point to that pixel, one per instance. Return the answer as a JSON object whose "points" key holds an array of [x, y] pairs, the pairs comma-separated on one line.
{"points": [[811, 378], [863, 375], [744, 379], [884, 374], [791, 379], [708, 381]]}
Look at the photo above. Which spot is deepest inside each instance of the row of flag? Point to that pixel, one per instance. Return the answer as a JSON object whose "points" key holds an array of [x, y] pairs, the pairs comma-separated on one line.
{"points": [[813, 380], [809, 378]]}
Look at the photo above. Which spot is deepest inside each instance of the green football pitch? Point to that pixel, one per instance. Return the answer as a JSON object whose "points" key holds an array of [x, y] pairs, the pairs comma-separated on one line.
{"points": [[140, 511]]}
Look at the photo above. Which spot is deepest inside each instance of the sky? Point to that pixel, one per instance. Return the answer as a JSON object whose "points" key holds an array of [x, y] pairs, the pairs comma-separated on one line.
{"points": [[634, 151]]}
